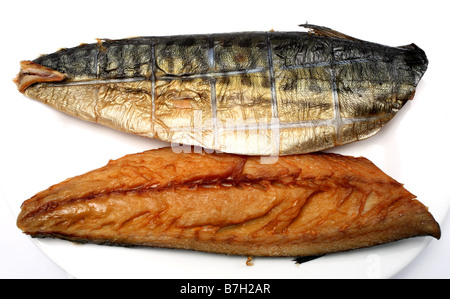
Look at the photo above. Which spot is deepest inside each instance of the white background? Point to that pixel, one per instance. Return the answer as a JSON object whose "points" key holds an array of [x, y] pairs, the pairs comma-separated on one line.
{"points": [[37, 142]]}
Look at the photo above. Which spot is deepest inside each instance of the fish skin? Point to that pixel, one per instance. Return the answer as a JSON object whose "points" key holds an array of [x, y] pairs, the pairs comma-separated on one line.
{"points": [[253, 93], [303, 205]]}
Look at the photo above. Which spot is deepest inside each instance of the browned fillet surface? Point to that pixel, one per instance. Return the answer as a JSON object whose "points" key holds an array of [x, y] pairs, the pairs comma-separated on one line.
{"points": [[302, 205]]}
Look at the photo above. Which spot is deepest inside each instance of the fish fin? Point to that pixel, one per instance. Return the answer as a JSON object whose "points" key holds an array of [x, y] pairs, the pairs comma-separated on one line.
{"points": [[328, 32], [31, 72], [304, 259]]}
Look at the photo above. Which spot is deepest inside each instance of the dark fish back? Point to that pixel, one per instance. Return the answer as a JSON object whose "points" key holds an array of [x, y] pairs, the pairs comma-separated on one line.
{"points": [[109, 59], [215, 53], [75, 62]]}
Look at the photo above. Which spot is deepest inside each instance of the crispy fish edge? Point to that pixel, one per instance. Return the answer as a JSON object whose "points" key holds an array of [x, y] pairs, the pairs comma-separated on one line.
{"points": [[198, 225]]}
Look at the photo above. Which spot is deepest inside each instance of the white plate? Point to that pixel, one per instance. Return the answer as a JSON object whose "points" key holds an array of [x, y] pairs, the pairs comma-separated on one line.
{"points": [[42, 147]]}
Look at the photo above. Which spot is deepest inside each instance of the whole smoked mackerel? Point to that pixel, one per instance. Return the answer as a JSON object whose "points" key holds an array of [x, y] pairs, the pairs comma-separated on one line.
{"points": [[302, 205], [253, 93]]}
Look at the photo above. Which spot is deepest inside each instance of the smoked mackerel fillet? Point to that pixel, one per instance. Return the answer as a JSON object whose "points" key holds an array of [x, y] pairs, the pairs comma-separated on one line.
{"points": [[253, 93], [302, 205]]}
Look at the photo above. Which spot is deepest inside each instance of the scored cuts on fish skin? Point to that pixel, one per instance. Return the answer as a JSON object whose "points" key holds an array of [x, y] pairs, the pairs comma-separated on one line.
{"points": [[302, 205], [253, 93]]}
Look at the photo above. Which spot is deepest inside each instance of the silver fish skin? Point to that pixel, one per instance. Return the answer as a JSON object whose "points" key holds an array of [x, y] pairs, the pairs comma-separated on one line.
{"points": [[253, 93]]}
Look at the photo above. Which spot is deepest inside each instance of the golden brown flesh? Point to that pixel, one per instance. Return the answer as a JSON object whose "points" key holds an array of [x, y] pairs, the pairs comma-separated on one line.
{"points": [[302, 205]]}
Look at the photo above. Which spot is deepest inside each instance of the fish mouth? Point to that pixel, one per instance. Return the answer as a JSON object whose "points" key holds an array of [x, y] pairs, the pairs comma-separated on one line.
{"points": [[31, 73]]}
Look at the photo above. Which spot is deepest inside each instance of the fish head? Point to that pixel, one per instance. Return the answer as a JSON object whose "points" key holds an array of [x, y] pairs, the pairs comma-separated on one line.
{"points": [[51, 86], [67, 81], [31, 73]]}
